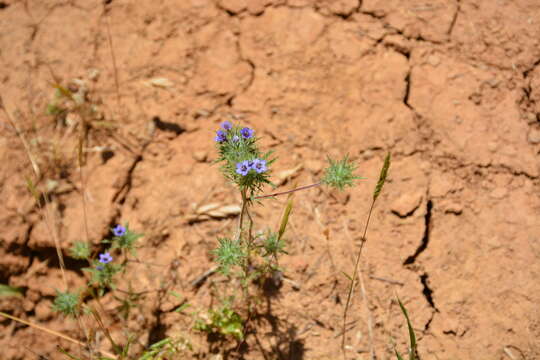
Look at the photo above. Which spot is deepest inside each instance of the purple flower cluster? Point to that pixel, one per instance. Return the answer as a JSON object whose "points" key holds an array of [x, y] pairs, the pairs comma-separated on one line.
{"points": [[243, 167], [226, 126]]}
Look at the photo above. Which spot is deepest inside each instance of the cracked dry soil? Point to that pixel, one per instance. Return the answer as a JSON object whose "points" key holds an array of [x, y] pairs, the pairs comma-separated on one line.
{"points": [[450, 87]]}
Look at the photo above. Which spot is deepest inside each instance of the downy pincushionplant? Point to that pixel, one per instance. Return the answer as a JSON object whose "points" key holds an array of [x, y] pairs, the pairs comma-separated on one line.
{"points": [[245, 165], [102, 270]]}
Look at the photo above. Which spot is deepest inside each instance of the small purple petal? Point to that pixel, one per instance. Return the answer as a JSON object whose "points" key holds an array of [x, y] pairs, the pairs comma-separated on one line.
{"points": [[105, 258], [247, 133], [242, 168], [259, 166], [226, 125], [235, 138], [220, 137], [119, 230]]}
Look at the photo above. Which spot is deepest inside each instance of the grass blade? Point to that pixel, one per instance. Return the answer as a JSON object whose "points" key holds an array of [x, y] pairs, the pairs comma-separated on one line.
{"points": [[285, 218], [382, 177], [412, 336], [6, 290], [65, 352]]}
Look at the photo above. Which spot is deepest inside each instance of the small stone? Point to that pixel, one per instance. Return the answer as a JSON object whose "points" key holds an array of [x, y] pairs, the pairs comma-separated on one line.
{"points": [[531, 118], [434, 60], [200, 156], [453, 208], [367, 155], [534, 136], [492, 146], [406, 204], [93, 74], [493, 82]]}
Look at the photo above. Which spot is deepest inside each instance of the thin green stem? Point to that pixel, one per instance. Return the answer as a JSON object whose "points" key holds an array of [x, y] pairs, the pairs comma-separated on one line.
{"points": [[246, 261], [288, 191], [242, 212], [354, 275]]}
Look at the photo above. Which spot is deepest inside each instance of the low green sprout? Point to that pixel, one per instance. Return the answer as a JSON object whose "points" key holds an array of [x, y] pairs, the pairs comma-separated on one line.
{"points": [[340, 174], [229, 253], [80, 250], [66, 303], [224, 321]]}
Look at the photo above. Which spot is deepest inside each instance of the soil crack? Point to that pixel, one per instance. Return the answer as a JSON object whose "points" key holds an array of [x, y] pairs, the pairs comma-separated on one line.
{"points": [[425, 239], [428, 293], [407, 90]]}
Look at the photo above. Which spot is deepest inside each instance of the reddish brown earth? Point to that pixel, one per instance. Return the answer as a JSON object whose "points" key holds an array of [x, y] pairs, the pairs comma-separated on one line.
{"points": [[451, 88]]}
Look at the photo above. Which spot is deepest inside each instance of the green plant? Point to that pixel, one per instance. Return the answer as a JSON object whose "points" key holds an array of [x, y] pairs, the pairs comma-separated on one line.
{"points": [[412, 336], [245, 255], [66, 303], [102, 272], [165, 348], [80, 250], [378, 188], [224, 321]]}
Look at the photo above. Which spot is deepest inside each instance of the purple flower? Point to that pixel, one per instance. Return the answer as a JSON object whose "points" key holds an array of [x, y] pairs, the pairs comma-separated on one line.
{"points": [[220, 137], [226, 125], [247, 133], [235, 138], [243, 168], [119, 230], [105, 258], [259, 166]]}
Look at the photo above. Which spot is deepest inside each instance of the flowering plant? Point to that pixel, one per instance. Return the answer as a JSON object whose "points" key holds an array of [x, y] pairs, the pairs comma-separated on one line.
{"points": [[255, 257]]}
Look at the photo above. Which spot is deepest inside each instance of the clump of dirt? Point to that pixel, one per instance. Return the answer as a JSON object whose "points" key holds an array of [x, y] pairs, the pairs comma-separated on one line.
{"points": [[450, 88]]}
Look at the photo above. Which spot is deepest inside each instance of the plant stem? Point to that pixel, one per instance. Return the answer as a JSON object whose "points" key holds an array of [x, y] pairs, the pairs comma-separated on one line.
{"points": [[351, 287], [242, 212], [288, 191], [246, 262]]}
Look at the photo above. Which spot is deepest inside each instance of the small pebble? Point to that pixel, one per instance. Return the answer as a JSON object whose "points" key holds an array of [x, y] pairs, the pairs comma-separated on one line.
{"points": [[406, 204], [200, 156], [93, 74], [454, 208], [534, 136], [434, 60]]}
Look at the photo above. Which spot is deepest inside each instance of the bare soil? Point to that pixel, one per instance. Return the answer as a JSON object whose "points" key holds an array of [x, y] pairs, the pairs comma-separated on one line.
{"points": [[450, 87]]}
